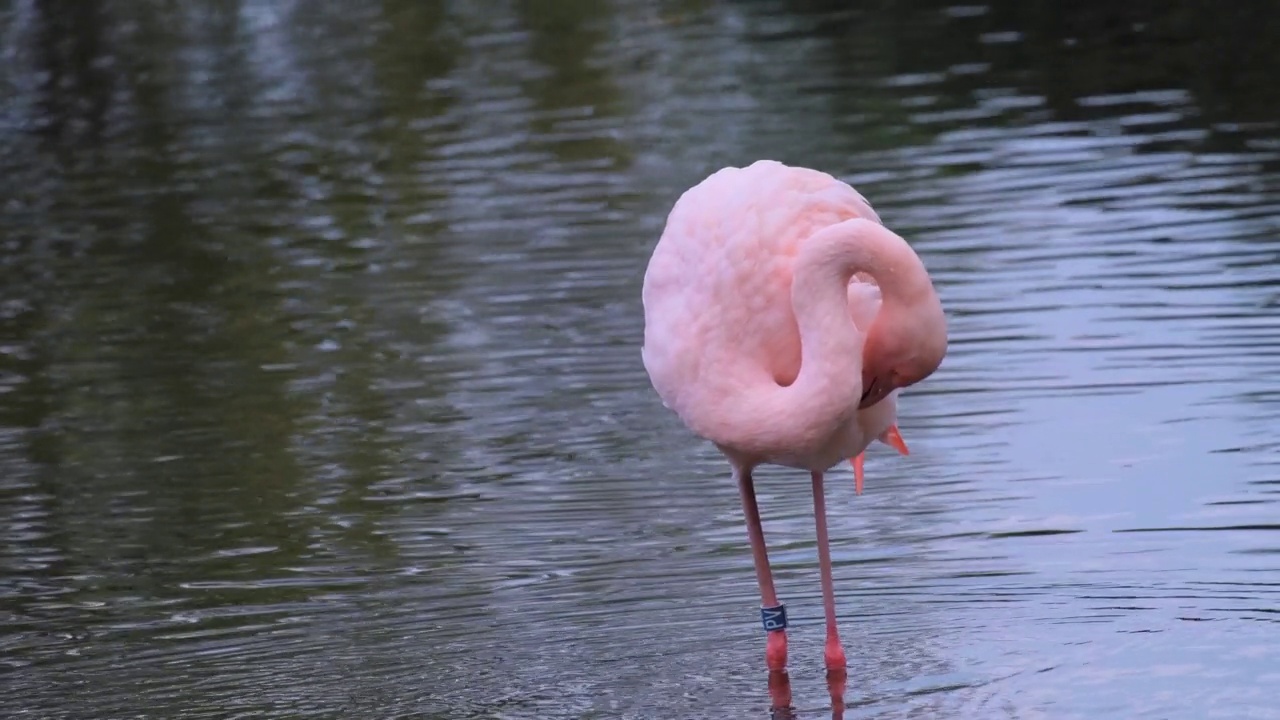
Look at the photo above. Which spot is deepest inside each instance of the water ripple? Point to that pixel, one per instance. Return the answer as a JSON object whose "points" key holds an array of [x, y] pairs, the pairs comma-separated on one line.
{"points": [[320, 386]]}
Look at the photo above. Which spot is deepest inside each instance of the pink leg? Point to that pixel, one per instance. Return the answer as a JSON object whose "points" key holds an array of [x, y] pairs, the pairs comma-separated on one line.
{"points": [[776, 643], [837, 679], [834, 652], [780, 695]]}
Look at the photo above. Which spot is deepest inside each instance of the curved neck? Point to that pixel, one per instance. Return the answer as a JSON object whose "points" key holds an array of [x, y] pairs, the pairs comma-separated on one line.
{"points": [[827, 390]]}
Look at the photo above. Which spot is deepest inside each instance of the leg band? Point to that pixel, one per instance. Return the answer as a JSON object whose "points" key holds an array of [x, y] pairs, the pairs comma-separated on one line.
{"points": [[774, 618]]}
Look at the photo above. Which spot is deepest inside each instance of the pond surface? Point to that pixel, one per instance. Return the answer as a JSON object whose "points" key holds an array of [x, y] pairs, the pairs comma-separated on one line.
{"points": [[321, 392]]}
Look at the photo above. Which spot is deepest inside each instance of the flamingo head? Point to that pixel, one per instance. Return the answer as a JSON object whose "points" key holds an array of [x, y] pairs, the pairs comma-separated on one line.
{"points": [[901, 351]]}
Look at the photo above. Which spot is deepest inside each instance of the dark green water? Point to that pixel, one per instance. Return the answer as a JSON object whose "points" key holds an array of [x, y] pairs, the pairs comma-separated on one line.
{"points": [[321, 393]]}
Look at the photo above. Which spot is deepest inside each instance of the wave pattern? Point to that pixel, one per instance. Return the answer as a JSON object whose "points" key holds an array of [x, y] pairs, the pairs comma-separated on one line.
{"points": [[321, 393]]}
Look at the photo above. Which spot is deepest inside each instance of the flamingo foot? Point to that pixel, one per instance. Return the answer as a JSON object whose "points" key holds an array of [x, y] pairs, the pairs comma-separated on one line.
{"points": [[775, 652], [834, 655]]}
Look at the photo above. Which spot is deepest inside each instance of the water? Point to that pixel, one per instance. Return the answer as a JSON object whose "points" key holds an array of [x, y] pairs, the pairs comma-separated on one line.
{"points": [[321, 395]]}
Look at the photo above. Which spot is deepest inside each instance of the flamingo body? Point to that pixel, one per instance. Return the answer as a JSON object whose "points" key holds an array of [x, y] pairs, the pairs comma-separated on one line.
{"points": [[781, 320], [717, 297]]}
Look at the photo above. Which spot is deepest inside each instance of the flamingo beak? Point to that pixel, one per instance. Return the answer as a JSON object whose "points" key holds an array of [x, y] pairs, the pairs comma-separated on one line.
{"points": [[893, 439], [857, 474], [890, 437]]}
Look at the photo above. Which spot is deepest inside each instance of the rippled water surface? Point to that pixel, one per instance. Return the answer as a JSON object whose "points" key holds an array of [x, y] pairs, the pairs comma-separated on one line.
{"points": [[321, 393]]}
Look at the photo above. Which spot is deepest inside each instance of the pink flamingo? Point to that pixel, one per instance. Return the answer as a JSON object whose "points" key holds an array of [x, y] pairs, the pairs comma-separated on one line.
{"points": [[781, 318]]}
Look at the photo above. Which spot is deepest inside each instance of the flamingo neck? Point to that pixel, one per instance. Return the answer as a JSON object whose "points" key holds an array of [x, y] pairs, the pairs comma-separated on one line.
{"points": [[811, 417]]}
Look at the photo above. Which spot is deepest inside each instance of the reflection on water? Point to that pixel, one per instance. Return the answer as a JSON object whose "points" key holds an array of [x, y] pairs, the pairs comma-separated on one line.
{"points": [[320, 388]]}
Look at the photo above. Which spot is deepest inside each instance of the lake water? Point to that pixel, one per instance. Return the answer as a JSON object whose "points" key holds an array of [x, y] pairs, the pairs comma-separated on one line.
{"points": [[321, 391]]}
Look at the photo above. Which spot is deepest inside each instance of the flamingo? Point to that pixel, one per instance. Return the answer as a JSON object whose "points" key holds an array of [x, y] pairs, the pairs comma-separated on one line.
{"points": [[781, 320]]}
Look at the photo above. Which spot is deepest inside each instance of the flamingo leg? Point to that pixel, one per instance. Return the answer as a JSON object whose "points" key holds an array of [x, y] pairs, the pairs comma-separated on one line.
{"points": [[776, 639], [857, 472], [834, 654]]}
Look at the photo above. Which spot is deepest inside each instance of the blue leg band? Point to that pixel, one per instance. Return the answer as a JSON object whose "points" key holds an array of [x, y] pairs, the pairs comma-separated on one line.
{"points": [[774, 618]]}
